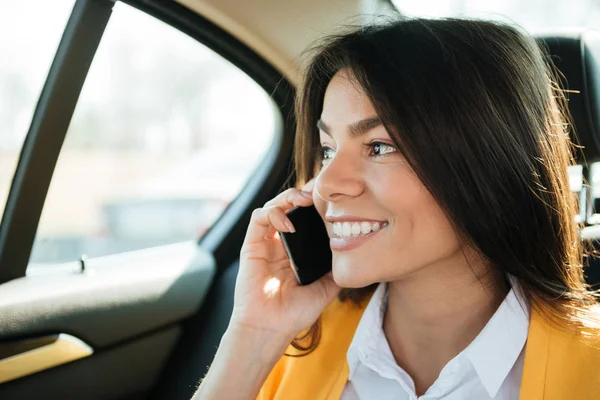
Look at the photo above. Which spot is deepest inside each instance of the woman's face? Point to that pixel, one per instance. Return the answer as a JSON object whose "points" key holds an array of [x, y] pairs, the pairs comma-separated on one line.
{"points": [[383, 223]]}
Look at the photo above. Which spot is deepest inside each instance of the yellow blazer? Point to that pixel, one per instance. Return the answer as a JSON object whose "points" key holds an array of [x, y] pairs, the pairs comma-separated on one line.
{"points": [[558, 365]]}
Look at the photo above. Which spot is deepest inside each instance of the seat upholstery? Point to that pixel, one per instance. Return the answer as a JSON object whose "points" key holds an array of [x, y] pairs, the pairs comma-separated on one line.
{"points": [[576, 54]]}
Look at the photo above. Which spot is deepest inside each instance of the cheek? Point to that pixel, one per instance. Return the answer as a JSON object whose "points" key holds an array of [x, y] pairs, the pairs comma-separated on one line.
{"points": [[420, 233], [399, 192], [424, 229], [415, 212]]}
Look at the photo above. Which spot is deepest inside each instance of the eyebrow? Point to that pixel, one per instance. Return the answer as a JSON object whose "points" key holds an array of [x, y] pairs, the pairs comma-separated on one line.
{"points": [[355, 129]]}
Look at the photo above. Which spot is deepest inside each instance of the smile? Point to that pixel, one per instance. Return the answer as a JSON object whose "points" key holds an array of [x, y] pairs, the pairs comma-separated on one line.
{"points": [[349, 235], [352, 229]]}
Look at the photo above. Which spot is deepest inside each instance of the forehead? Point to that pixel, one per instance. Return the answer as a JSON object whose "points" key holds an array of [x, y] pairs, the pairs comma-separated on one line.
{"points": [[345, 101]]}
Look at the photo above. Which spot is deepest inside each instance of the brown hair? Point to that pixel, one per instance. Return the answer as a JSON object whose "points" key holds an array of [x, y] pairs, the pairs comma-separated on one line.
{"points": [[472, 105]]}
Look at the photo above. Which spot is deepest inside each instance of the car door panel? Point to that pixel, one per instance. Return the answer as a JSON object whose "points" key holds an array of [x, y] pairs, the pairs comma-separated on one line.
{"points": [[114, 298], [147, 314], [202, 334], [125, 371], [125, 307]]}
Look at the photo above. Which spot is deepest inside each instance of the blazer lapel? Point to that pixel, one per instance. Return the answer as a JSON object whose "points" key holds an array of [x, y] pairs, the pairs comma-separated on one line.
{"points": [[533, 381]]}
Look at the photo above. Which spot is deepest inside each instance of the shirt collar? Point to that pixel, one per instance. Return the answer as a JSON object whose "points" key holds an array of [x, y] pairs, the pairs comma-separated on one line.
{"points": [[369, 328], [497, 347], [492, 353]]}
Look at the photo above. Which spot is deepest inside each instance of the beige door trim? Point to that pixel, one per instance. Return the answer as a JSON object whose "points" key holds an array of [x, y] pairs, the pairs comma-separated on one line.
{"points": [[64, 349]]}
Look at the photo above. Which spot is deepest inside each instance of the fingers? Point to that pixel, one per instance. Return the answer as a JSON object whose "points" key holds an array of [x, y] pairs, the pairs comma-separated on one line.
{"points": [[290, 199], [308, 187], [263, 220], [271, 217], [276, 250], [270, 250]]}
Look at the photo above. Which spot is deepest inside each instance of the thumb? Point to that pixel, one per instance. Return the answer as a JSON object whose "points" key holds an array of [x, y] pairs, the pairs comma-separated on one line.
{"points": [[324, 290]]}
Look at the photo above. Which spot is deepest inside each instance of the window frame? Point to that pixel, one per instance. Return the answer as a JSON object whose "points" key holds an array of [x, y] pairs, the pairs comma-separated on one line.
{"points": [[46, 134], [56, 106]]}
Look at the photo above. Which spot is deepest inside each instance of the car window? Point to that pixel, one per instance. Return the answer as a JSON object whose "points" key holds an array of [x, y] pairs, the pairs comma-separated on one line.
{"points": [[164, 136], [25, 58], [531, 15]]}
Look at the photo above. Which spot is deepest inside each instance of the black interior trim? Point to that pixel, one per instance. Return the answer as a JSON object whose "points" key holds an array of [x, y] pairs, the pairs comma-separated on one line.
{"points": [[225, 238], [47, 132]]}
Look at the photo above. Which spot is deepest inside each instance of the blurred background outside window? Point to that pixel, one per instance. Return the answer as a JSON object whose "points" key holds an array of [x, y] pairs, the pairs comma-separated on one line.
{"points": [[166, 132], [28, 42], [533, 15], [164, 136]]}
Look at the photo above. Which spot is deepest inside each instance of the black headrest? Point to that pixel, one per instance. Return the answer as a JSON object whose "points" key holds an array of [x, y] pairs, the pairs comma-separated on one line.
{"points": [[577, 55]]}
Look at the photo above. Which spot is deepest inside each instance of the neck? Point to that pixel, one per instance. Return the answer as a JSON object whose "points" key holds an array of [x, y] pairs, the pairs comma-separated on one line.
{"points": [[434, 314]]}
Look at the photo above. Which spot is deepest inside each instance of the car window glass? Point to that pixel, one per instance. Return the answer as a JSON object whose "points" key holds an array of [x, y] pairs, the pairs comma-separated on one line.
{"points": [[532, 15], [164, 136], [25, 58]]}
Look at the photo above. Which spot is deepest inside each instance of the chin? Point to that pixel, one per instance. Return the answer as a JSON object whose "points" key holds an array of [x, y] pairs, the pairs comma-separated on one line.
{"points": [[350, 278]]}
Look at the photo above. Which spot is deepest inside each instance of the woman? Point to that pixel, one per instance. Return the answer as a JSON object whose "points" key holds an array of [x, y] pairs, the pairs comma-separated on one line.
{"points": [[436, 153]]}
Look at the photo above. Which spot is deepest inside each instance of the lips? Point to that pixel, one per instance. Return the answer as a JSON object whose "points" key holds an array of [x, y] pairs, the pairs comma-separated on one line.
{"points": [[350, 243], [351, 218], [349, 231]]}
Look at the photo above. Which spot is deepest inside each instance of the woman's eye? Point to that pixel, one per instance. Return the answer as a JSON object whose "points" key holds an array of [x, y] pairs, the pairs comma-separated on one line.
{"points": [[381, 149], [327, 153], [376, 149]]}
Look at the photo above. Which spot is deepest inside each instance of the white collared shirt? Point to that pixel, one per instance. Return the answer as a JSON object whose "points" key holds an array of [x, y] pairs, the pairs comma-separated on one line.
{"points": [[489, 368]]}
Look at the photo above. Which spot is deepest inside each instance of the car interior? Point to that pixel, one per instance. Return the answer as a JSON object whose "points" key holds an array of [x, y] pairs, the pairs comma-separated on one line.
{"points": [[146, 324]]}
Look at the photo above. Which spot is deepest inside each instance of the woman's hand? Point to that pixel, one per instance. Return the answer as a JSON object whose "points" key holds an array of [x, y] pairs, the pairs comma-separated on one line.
{"points": [[268, 298], [269, 309]]}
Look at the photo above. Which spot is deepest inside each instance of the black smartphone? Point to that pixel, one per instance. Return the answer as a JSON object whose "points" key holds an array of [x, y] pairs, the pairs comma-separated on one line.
{"points": [[308, 248]]}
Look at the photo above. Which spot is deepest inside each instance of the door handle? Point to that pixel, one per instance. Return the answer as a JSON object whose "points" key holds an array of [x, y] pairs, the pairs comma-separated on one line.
{"points": [[25, 357]]}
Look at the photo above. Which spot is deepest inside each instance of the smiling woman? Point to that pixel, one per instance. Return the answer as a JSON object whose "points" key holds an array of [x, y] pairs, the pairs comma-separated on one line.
{"points": [[437, 155]]}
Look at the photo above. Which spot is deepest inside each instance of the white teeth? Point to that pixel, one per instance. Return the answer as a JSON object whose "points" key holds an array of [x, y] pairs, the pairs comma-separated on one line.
{"points": [[353, 229], [346, 229], [365, 227], [337, 229]]}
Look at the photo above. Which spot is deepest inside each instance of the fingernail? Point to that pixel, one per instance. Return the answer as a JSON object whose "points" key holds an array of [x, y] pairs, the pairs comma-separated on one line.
{"points": [[289, 225], [306, 194], [309, 185]]}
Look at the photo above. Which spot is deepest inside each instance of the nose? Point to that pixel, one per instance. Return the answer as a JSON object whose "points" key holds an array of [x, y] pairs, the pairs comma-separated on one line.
{"points": [[341, 178]]}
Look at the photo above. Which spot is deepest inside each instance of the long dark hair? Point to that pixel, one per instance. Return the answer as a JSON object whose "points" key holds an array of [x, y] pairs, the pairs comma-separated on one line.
{"points": [[473, 106]]}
